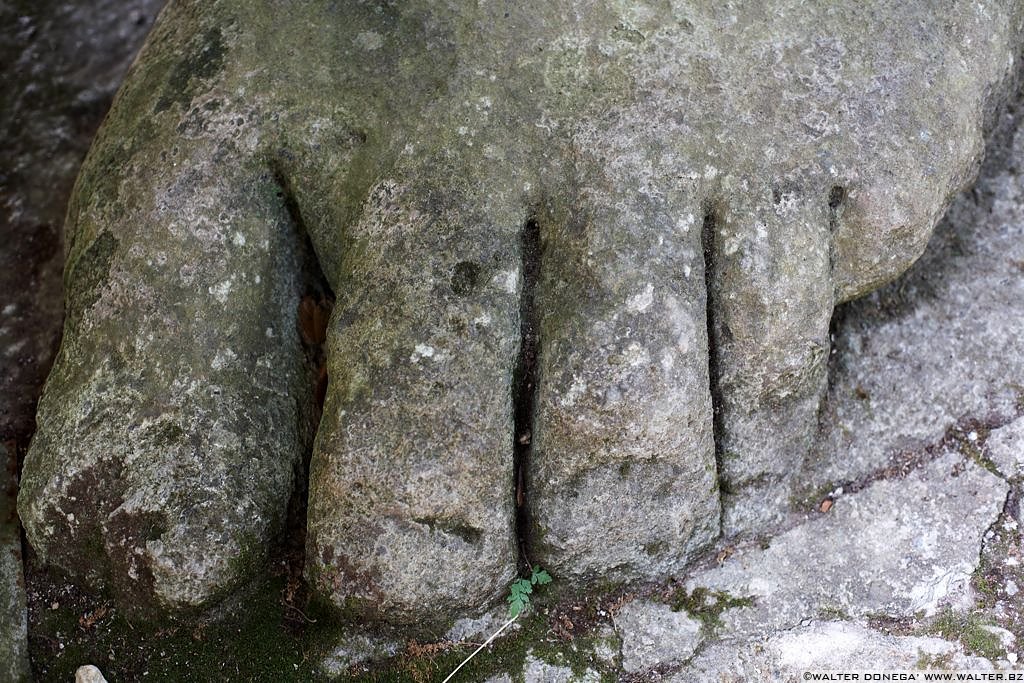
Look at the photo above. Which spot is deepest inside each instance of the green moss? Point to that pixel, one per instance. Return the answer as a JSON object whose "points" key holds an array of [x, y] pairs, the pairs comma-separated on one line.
{"points": [[986, 587], [810, 498], [533, 639], [981, 642], [972, 449], [507, 654], [204, 60], [927, 661], [92, 269], [707, 606], [1018, 391], [969, 629], [834, 613], [577, 655], [251, 640]]}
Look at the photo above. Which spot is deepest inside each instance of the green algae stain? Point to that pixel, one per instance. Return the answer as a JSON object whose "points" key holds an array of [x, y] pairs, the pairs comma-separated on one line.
{"points": [[204, 60], [92, 269]]}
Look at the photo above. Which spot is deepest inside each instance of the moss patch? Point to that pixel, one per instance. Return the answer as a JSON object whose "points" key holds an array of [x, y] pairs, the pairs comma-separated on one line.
{"points": [[257, 638], [707, 606], [833, 613], [204, 60], [92, 270], [969, 629], [927, 661]]}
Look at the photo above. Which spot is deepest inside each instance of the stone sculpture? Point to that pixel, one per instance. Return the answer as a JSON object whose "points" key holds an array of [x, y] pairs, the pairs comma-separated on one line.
{"points": [[584, 257]]}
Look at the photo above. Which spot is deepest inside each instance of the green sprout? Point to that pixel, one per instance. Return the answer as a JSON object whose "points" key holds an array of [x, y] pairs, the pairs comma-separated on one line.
{"points": [[521, 589]]}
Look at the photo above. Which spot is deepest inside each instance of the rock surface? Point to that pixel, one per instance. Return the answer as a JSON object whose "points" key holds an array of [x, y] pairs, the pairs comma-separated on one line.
{"points": [[356, 648], [926, 386], [945, 344], [539, 671], [60, 64], [938, 347], [652, 635], [836, 646], [899, 547], [1006, 449]]}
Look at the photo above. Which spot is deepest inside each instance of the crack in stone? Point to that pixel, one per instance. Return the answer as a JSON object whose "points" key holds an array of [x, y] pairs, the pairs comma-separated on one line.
{"points": [[315, 305], [708, 230], [524, 385]]}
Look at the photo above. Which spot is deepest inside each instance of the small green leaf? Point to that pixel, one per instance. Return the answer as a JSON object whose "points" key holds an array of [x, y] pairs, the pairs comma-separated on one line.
{"points": [[519, 590]]}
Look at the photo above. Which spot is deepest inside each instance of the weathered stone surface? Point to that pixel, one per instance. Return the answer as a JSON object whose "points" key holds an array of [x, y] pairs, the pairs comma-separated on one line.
{"points": [[652, 634], [538, 671], [172, 419], [666, 161], [480, 628], [1006, 449], [14, 664], [837, 646], [899, 547], [356, 648]]}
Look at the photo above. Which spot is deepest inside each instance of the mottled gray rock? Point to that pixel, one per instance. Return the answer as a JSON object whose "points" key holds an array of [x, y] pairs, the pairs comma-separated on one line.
{"points": [[60, 64], [652, 635], [1006, 449], [606, 646], [527, 214], [167, 440], [898, 547], [539, 671], [357, 648], [14, 664], [837, 646]]}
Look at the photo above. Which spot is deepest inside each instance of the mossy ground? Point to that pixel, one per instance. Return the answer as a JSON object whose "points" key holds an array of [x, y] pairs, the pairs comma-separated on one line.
{"points": [[969, 629], [261, 637], [275, 632]]}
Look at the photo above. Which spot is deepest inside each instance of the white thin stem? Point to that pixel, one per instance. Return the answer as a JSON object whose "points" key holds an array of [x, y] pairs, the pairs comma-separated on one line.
{"points": [[486, 643]]}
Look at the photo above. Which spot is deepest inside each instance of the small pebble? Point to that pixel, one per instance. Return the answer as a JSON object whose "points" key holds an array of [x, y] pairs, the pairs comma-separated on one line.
{"points": [[89, 674]]}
